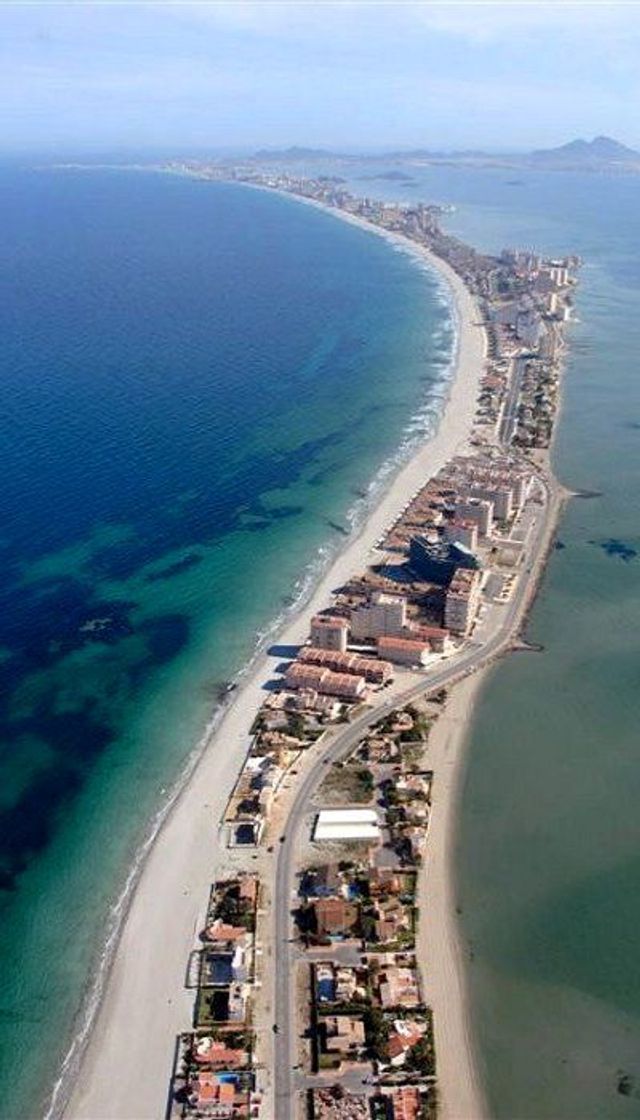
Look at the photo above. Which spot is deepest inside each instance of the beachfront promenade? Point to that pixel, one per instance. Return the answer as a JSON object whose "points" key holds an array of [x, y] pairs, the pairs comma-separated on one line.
{"points": [[491, 440]]}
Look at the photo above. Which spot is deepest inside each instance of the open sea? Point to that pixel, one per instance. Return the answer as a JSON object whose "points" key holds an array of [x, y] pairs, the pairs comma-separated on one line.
{"points": [[202, 388]]}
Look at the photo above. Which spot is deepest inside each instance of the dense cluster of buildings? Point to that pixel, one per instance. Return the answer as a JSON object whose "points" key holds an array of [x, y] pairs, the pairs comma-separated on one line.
{"points": [[367, 1019]]}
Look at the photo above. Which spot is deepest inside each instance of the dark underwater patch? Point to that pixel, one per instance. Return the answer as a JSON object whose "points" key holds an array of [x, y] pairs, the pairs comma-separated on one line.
{"points": [[614, 547], [27, 826], [175, 569], [338, 528], [220, 510], [165, 636], [42, 623], [280, 513]]}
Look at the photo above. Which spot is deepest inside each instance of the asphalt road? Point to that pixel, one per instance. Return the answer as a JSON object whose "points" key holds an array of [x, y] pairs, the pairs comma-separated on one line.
{"points": [[508, 618], [509, 420]]}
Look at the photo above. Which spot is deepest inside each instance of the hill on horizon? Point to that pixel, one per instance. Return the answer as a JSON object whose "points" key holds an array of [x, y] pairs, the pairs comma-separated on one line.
{"points": [[602, 149], [601, 153]]}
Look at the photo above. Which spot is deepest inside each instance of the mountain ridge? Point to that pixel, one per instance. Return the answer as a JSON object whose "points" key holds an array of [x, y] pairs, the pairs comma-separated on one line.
{"points": [[599, 154]]}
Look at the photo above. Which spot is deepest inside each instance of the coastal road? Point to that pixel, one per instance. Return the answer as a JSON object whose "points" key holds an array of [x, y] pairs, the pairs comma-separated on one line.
{"points": [[509, 419], [501, 633]]}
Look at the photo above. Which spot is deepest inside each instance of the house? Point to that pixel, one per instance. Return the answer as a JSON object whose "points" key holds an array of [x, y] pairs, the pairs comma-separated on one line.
{"points": [[213, 1095], [391, 919], [405, 1102], [217, 1054], [222, 931], [335, 917], [321, 882], [404, 1034], [336, 983], [398, 987], [344, 1034], [383, 881]]}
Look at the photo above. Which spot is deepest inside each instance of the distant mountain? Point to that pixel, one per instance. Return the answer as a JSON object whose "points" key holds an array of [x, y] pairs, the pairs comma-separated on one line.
{"points": [[293, 153], [600, 154], [601, 151]]}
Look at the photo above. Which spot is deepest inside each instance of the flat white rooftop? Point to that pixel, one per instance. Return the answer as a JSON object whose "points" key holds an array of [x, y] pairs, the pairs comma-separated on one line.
{"points": [[346, 831], [335, 816]]}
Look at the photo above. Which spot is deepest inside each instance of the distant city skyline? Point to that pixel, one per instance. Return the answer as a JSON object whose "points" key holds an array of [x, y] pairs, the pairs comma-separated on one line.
{"points": [[349, 75]]}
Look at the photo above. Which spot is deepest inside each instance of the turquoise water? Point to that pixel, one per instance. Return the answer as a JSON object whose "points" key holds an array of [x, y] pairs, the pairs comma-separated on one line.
{"points": [[200, 383]]}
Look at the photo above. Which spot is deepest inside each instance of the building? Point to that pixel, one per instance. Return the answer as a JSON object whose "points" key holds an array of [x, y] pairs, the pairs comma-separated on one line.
{"points": [[462, 601], [477, 510], [410, 652], [344, 685], [328, 632], [335, 917], [347, 824], [373, 671], [214, 1095], [344, 1034], [436, 559], [398, 987], [406, 1102], [559, 275], [403, 1035], [462, 531], [384, 614], [335, 983], [392, 918], [499, 494], [436, 636], [215, 1053]]}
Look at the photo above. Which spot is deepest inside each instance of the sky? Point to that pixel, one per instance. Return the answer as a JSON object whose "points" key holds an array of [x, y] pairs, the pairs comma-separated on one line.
{"points": [[164, 76]]}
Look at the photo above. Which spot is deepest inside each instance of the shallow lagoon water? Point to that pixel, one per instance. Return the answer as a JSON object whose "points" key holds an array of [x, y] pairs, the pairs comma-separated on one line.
{"points": [[547, 862]]}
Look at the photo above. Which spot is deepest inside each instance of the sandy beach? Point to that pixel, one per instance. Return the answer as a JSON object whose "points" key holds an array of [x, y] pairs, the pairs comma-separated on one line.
{"points": [[439, 947], [125, 1068]]}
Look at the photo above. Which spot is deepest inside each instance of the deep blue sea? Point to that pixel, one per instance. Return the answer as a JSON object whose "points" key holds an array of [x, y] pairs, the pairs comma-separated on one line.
{"points": [[201, 388]]}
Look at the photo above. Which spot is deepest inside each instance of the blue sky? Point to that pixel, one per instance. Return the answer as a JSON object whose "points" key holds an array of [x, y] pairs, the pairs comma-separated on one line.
{"points": [[341, 74]]}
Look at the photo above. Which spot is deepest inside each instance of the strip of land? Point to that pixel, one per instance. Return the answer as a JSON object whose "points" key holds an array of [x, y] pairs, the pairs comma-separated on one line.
{"points": [[143, 1028]]}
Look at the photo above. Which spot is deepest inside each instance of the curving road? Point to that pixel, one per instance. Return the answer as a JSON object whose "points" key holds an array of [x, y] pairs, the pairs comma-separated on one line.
{"points": [[500, 634]]}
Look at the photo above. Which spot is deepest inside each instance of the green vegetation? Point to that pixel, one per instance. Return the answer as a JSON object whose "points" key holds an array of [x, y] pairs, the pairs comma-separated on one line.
{"points": [[211, 1007], [367, 926], [328, 1061], [429, 1110], [421, 1057], [296, 726], [377, 1033], [233, 910], [355, 1007], [348, 784]]}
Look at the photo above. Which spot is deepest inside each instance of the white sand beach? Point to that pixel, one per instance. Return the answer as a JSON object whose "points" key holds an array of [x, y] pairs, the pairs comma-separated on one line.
{"points": [[440, 948], [125, 1069]]}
